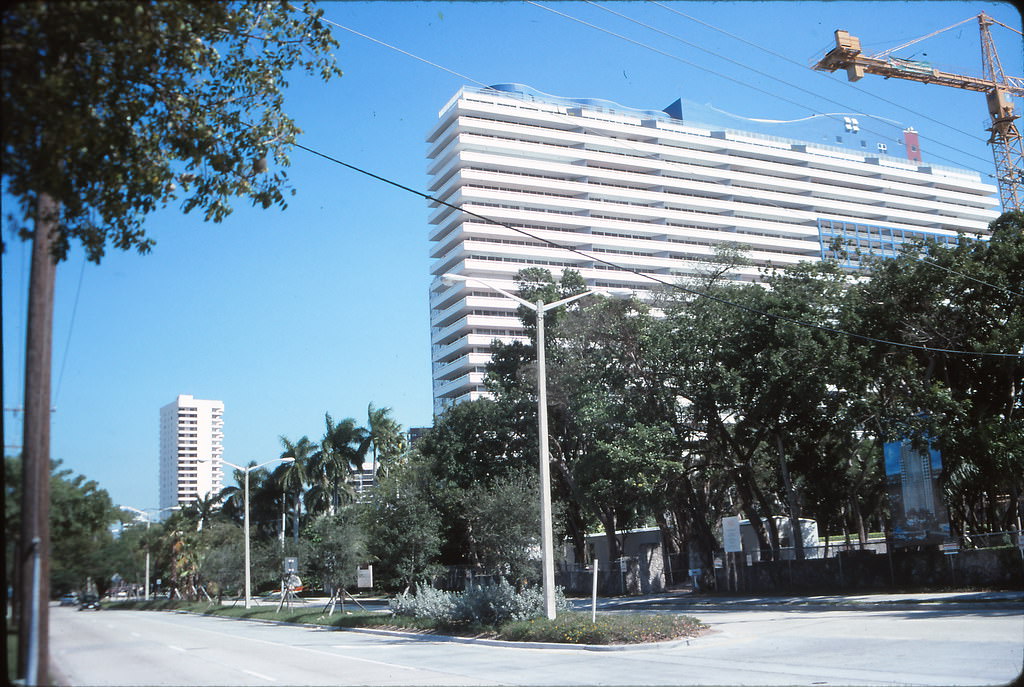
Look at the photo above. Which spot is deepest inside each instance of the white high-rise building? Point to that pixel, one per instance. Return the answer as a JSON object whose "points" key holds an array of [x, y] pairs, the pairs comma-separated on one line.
{"points": [[191, 438], [654, 192]]}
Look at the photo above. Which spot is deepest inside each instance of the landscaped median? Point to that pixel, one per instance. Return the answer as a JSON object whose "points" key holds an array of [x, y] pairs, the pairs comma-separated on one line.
{"points": [[569, 627]]}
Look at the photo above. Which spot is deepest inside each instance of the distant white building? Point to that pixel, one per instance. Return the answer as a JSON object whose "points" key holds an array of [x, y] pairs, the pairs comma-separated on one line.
{"points": [[191, 449], [655, 192]]}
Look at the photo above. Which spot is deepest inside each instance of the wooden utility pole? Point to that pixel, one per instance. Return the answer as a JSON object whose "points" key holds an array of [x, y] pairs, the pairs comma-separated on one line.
{"points": [[34, 563]]}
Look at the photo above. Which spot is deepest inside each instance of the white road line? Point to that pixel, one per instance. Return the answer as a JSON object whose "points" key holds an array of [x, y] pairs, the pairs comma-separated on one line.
{"points": [[370, 660], [259, 675], [176, 648]]}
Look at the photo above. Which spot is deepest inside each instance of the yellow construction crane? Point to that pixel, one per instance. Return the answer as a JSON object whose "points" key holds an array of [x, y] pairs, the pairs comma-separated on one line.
{"points": [[1005, 138]]}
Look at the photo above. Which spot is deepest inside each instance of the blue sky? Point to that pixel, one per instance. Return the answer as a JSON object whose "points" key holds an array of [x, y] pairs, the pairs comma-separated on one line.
{"points": [[322, 307]]}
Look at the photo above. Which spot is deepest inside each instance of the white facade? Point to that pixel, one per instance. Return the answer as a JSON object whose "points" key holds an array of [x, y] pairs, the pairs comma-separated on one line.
{"points": [[647, 191], [191, 438]]}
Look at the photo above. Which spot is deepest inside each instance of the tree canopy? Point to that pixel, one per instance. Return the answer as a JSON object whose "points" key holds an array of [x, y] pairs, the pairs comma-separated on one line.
{"points": [[114, 108]]}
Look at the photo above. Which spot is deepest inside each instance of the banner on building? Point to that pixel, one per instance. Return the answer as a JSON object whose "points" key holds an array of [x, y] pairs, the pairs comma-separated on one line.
{"points": [[919, 516]]}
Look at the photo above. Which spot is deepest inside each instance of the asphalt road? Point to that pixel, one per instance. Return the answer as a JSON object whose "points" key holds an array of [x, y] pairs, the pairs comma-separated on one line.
{"points": [[981, 644]]}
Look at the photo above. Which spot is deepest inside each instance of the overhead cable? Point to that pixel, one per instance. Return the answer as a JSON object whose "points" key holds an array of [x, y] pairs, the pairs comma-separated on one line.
{"points": [[719, 74], [922, 115], [671, 285]]}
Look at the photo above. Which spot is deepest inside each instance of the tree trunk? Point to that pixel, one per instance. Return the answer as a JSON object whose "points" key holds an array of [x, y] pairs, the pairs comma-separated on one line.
{"points": [[794, 503], [33, 647], [763, 525]]}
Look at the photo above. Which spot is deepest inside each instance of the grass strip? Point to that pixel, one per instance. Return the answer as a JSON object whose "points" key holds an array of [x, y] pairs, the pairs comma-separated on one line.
{"points": [[569, 627]]}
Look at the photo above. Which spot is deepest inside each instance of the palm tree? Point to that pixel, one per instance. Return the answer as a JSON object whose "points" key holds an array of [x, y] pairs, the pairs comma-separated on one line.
{"points": [[332, 463], [385, 435], [203, 509], [264, 495], [292, 477], [232, 498]]}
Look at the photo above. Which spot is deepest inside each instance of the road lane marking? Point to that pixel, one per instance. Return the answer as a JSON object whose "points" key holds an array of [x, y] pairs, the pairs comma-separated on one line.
{"points": [[259, 675], [176, 648], [370, 660]]}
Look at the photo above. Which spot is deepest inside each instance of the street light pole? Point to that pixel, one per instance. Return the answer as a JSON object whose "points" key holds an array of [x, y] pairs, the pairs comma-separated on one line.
{"points": [[245, 526], [145, 512], [248, 566], [546, 536]]}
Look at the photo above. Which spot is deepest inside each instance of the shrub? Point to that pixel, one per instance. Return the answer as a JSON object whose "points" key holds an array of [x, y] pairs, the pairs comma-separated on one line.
{"points": [[490, 605], [427, 602], [577, 628]]}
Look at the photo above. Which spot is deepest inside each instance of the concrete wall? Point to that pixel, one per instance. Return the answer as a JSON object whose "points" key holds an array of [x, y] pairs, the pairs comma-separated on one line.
{"points": [[640, 571]]}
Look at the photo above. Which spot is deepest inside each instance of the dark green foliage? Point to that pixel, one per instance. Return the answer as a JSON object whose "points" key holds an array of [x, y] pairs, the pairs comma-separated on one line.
{"points": [[402, 528], [81, 514], [577, 628], [336, 546], [115, 108]]}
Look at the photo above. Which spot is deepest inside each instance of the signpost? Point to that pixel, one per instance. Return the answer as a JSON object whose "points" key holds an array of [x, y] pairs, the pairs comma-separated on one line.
{"points": [[290, 582], [731, 540], [364, 576]]}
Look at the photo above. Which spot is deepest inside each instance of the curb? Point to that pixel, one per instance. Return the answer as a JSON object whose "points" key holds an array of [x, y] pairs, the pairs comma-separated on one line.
{"points": [[431, 637]]}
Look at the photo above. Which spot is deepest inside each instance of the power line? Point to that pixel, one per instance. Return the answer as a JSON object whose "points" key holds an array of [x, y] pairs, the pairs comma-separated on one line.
{"points": [[645, 155], [974, 279], [719, 74], [71, 328], [802, 66], [680, 287], [409, 54]]}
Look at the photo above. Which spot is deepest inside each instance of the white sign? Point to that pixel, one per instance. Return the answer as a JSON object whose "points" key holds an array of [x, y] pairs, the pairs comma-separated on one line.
{"points": [[364, 577], [731, 534], [291, 565]]}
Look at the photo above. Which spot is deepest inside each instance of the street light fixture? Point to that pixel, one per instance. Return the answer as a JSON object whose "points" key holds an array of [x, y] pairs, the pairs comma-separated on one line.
{"points": [[248, 569], [145, 512], [547, 539]]}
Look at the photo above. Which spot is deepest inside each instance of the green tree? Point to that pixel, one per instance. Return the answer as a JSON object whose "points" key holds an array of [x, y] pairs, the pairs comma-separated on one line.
{"points": [[384, 436], [965, 299], [293, 477], [342, 450], [337, 546], [113, 109], [402, 528], [220, 558], [81, 514], [475, 442], [503, 526]]}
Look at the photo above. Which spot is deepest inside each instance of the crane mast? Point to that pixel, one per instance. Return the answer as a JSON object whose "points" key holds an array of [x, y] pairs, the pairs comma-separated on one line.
{"points": [[1005, 137]]}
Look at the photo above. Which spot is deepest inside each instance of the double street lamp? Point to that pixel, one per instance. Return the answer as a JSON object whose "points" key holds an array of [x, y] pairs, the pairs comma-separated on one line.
{"points": [[146, 513], [547, 543], [248, 568]]}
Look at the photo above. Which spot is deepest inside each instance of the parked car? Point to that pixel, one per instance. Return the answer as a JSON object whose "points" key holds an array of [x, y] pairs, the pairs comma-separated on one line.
{"points": [[70, 599], [89, 602]]}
